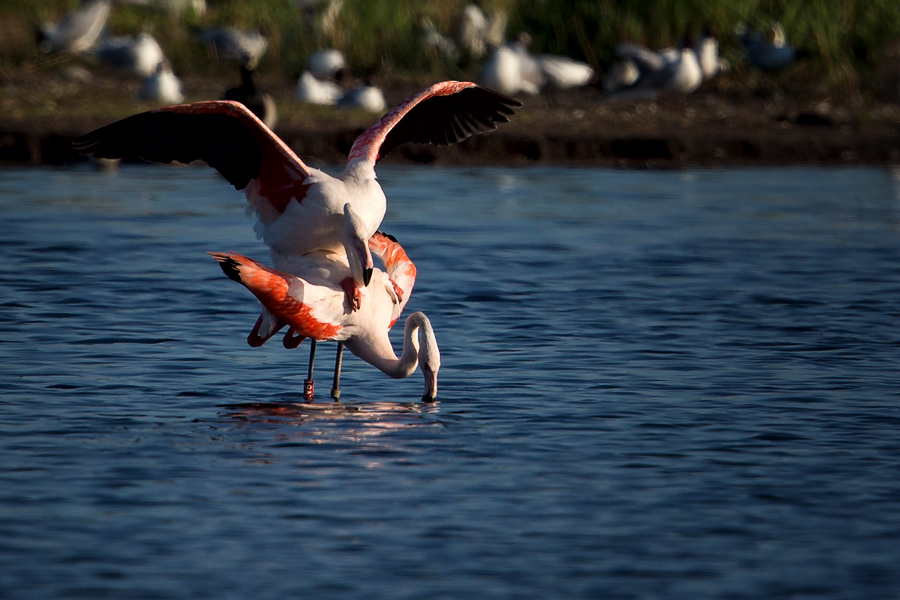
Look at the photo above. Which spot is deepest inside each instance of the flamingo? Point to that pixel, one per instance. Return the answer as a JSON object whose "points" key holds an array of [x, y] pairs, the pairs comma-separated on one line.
{"points": [[300, 210], [318, 310]]}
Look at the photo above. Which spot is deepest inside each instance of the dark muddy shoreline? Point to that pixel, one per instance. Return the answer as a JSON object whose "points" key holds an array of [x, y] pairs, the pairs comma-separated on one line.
{"points": [[673, 150], [708, 128]]}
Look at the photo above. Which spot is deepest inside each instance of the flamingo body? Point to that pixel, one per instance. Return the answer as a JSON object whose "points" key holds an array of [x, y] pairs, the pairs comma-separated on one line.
{"points": [[312, 310], [320, 311]]}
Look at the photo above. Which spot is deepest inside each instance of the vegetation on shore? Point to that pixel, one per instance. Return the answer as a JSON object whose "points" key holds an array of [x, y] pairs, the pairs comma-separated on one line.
{"points": [[846, 39]]}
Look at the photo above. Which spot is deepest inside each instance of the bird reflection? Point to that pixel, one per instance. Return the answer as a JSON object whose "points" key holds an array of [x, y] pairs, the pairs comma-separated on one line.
{"points": [[373, 418]]}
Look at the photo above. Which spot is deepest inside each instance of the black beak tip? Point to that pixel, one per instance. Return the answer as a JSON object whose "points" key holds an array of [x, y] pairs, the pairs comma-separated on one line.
{"points": [[367, 276], [428, 398]]}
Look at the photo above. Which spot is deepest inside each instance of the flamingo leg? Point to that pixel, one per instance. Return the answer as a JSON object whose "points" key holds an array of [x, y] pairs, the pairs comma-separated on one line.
{"points": [[336, 386], [308, 385]]}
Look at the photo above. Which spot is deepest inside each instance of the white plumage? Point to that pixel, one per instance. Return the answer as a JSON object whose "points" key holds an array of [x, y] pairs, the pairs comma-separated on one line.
{"points": [[78, 31], [162, 86], [432, 39], [668, 71], [325, 64], [245, 48], [563, 73], [707, 51], [314, 91], [511, 70], [139, 55], [365, 97]]}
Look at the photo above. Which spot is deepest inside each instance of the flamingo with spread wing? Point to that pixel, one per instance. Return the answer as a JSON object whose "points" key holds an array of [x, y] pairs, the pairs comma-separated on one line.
{"points": [[302, 211]]}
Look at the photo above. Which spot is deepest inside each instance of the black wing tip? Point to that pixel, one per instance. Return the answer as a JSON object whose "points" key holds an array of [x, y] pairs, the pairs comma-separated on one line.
{"points": [[389, 236], [508, 103], [223, 141], [229, 265], [502, 99], [84, 143], [447, 119]]}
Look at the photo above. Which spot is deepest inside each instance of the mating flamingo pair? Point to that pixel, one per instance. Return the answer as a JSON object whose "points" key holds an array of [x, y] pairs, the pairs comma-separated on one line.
{"points": [[322, 231]]}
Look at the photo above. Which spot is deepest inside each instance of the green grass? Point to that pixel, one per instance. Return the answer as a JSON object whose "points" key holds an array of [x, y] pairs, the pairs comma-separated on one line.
{"points": [[846, 38]]}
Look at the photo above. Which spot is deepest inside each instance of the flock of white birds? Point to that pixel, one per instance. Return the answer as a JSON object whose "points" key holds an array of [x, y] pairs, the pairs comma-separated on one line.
{"points": [[506, 66]]}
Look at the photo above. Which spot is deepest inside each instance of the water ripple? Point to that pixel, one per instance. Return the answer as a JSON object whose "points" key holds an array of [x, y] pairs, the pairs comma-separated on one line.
{"points": [[653, 385]]}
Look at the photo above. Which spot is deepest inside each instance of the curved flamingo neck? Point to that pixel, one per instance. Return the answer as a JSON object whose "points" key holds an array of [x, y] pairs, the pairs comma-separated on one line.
{"points": [[380, 354], [359, 172]]}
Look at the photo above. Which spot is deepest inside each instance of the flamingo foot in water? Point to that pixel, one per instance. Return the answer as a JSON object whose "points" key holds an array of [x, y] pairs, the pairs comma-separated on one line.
{"points": [[352, 291]]}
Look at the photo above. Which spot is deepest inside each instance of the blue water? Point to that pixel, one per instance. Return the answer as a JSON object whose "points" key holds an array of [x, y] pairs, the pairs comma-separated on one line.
{"points": [[654, 385]]}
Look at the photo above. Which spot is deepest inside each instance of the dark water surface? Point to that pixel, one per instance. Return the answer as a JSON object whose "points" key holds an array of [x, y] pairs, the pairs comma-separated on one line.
{"points": [[654, 385]]}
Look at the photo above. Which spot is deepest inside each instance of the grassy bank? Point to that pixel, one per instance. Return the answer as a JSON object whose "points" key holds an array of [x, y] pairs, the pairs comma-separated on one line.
{"points": [[846, 39]]}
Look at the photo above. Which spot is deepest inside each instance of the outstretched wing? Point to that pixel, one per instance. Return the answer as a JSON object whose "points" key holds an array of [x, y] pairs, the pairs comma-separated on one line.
{"points": [[285, 298], [226, 135], [443, 114]]}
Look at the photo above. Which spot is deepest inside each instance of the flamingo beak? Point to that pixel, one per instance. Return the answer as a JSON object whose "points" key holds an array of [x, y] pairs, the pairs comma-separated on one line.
{"points": [[430, 385], [364, 256]]}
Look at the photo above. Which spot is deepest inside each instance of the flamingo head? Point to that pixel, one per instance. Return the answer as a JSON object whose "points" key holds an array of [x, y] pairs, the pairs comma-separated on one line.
{"points": [[430, 384], [357, 246], [429, 359]]}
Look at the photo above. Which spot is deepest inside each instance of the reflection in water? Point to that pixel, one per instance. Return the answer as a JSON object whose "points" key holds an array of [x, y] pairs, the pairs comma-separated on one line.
{"points": [[347, 420]]}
